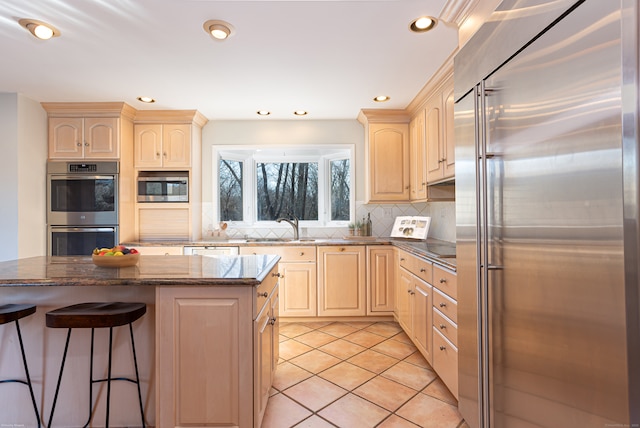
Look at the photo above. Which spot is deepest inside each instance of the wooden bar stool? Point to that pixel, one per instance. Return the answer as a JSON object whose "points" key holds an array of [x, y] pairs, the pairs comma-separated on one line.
{"points": [[97, 315], [14, 312]]}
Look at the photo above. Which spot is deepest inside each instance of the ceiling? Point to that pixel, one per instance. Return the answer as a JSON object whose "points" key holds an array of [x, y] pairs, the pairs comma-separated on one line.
{"points": [[328, 57]]}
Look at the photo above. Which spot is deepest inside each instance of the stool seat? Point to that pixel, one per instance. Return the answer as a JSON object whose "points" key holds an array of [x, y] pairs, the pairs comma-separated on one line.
{"points": [[12, 312], [95, 315]]}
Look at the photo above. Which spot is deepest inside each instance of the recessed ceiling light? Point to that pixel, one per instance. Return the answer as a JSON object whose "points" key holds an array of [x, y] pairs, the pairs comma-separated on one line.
{"points": [[263, 113], [39, 29], [300, 113], [218, 30], [147, 100], [423, 24], [381, 98]]}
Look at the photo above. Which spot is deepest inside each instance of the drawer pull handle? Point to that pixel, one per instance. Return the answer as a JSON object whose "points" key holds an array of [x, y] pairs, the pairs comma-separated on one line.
{"points": [[342, 249], [442, 326], [276, 274], [273, 321], [442, 348], [423, 270], [443, 305], [302, 253], [265, 294], [442, 280], [401, 259]]}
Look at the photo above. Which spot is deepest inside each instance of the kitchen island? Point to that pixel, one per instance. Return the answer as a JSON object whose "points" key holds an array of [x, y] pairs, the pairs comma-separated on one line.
{"points": [[206, 348]]}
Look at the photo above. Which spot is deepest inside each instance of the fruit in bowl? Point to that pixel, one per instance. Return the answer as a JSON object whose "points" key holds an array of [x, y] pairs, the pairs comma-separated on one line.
{"points": [[118, 256]]}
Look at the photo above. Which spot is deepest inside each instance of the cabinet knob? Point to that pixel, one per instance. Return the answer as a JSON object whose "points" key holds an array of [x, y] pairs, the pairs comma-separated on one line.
{"points": [[443, 305], [276, 274], [442, 280], [423, 270], [302, 253], [164, 154], [157, 154], [86, 144], [442, 326], [442, 348], [342, 249], [265, 294], [401, 259], [78, 144], [272, 321]]}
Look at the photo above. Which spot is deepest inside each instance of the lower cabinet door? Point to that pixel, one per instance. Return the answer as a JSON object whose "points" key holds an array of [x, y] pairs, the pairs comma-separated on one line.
{"points": [[263, 361], [422, 308], [342, 273], [298, 281]]}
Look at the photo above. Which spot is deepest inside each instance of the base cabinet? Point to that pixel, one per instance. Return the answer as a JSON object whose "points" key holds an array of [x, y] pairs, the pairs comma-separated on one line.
{"points": [[381, 279], [215, 356], [342, 272]]}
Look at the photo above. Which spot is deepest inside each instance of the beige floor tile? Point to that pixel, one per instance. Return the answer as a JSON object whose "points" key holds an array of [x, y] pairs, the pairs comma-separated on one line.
{"points": [[292, 348], [314, 422], [373, 361], [409, 375], [315, 361], [351, 411], [386, 329], [283, 412], [402, 337], [417, 359], [315, 338], [429, 412], [315, 393], [395, 349], [316, 324], [438, 389], [394, 421], [282, 338], [293, 329], [359, 324], [288, 374], [342, 349], [385, 393], [364, 338], [347, 375], [338, 329]]}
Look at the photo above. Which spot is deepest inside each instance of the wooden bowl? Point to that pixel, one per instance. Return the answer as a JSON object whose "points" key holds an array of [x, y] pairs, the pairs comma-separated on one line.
{"points": [[116, 261]]}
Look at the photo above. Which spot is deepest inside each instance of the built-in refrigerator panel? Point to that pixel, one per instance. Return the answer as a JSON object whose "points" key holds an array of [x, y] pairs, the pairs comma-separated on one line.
{"points": [[540, 237]]}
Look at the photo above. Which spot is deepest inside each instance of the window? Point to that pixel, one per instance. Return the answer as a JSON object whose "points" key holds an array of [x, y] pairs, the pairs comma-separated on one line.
{"points": [[257, 185]]}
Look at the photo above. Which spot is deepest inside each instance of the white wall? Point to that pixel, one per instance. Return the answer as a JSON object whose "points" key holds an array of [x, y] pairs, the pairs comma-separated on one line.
{"points": [[23, 143]]}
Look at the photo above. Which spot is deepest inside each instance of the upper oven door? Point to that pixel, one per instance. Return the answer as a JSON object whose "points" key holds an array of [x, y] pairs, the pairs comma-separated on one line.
{"points": [[82, 199]]}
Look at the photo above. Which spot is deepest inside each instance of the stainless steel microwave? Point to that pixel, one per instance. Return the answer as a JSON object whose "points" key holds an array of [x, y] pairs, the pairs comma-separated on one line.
{"points": [[160, 186]]}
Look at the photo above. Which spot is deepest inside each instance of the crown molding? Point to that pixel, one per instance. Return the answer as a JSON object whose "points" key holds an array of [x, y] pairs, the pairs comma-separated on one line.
{"points": [[456, 11]]}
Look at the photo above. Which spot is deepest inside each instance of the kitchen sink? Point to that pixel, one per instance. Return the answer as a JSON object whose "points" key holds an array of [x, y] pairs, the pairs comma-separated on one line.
{"points": [[279, 240]]}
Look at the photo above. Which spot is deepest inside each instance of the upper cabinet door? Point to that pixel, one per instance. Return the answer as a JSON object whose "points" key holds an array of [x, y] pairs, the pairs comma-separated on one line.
{"points": [[418, 158], [101, 138], [176, 145], [449, 163], [388, 162], [433, 136], [65, 138], [147, 144]]}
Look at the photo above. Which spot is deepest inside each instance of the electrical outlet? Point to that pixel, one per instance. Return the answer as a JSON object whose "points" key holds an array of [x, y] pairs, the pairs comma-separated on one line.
{"points": [[388, 212]]}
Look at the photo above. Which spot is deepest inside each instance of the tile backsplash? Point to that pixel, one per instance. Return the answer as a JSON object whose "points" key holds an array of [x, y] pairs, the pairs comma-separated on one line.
{"points": [[443, 222]]}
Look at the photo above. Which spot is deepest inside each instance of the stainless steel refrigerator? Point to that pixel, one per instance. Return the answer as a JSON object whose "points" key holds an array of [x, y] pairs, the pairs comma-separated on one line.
{"points": [[546, 128]]}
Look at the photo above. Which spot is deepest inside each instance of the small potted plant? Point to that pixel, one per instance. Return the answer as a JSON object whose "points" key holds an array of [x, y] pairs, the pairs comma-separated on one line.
{"points": [[358, 228], [352, 228]]}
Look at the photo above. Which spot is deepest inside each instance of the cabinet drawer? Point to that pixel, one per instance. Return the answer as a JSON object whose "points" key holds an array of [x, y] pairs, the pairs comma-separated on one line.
{"points": [[421, 268], [287, 254], [445, 281], [264, 290], [446, 305], [445, 361], [447, 327]]}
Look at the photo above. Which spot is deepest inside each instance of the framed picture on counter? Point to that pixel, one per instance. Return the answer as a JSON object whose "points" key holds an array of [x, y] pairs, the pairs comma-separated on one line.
{"points": [[413, 227]]}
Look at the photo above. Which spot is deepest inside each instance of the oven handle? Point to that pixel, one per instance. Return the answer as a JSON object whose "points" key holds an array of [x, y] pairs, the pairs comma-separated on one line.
{"points": [[82, 177], [180, 179], [82, 229]]}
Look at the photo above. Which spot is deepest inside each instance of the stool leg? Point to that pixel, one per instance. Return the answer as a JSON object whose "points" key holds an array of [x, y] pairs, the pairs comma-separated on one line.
{"points": [[26, 370], [91, 382], [109, 375], [55, 397], [135, 363]]}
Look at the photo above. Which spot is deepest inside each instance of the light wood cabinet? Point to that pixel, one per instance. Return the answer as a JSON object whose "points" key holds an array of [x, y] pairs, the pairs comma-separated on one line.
{"points": [[418, 157], [439, 134], [445, 327], [162, 145], [414, 305], [216, 350], [88, 130], [381, 279], [341, 275], [298, 278], [169, 221], [388, 162]]}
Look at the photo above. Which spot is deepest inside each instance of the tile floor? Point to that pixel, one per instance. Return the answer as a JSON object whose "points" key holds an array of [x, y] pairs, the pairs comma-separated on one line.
{"points": [[355, 375]]}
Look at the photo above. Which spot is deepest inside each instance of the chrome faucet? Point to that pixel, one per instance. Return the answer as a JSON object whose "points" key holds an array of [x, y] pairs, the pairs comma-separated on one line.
{"points": [[294, 222]]}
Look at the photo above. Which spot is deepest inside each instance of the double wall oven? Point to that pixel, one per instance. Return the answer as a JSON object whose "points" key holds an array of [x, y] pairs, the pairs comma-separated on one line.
{"points": [[82, 206]]}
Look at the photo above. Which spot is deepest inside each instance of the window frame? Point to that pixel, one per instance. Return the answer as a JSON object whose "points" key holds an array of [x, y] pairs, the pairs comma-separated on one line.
{"points": [[251, 155]]}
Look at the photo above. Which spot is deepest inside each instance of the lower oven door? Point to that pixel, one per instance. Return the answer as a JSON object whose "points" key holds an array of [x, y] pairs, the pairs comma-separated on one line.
{"points": [[80, 241]]}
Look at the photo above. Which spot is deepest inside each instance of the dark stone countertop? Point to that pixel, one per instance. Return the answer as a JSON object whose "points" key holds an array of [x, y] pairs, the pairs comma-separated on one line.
{"points": [[150, 271]]}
